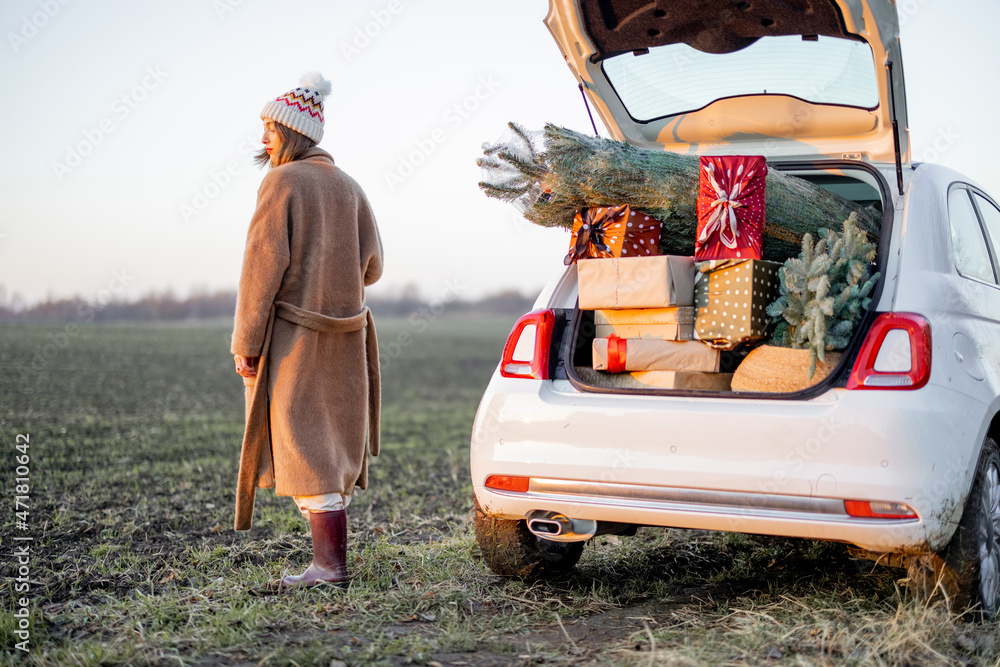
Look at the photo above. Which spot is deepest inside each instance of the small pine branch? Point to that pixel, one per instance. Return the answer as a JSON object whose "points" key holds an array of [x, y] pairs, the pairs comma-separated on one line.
{"points": [[520, 133], [503, 191]]}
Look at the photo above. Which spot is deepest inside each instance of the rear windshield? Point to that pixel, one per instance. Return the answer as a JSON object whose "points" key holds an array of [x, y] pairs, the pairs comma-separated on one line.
{"points": [[676, 78]]}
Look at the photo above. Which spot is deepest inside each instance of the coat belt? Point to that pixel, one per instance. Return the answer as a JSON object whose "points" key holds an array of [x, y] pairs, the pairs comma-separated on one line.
{"points": [[320, 322], [258, 431], [327, 324]]}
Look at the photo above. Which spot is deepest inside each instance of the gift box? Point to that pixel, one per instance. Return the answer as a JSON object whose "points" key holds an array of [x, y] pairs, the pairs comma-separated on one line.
{"points": [[662, 281], [656, 380], [613, 231], [732, 297], [615, 355], [662, 323], [730, 207]]}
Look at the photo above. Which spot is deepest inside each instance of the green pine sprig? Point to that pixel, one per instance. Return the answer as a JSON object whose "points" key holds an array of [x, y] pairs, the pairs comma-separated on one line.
{"points": [[822, 295]]}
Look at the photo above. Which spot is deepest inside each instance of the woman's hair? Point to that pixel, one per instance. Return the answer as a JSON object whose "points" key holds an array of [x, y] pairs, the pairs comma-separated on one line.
{"points": [[293, 146]]}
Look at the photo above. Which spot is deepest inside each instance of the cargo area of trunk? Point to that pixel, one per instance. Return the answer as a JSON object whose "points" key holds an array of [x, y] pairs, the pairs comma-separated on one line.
{"points": [[574, 358]]}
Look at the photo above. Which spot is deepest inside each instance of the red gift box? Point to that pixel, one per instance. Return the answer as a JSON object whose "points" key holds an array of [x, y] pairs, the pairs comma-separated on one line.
{"points": [[613, 231], [730, 207]]}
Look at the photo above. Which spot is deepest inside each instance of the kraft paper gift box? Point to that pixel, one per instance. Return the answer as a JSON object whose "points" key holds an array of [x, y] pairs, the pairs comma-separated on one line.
{"points": [[661, 281], [662, 323], [657, 380], [732, 298], [615, 355]]}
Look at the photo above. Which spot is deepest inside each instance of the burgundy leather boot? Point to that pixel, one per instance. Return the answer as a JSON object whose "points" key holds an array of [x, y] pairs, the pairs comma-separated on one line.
{"points": [[329, 564]]}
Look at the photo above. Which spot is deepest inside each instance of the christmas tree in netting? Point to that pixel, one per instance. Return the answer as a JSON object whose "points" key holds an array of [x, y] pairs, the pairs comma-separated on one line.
{"points": [[551, 174]]}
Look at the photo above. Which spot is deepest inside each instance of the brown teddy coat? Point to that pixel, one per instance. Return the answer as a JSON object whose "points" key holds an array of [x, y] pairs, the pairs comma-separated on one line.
{"points": [[312, 248]]}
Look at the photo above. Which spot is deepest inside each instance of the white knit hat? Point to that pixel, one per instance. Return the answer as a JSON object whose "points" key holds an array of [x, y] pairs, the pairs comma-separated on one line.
{"points": [[301, 108]]}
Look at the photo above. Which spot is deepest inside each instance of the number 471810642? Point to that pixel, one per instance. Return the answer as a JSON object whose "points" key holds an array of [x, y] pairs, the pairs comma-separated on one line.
{"points": [[22, 485]]}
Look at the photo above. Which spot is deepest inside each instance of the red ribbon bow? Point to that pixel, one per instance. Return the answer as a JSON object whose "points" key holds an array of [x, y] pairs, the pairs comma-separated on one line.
{"points": [[617, 350], [724, 207], [613, 231], [731, 194]]}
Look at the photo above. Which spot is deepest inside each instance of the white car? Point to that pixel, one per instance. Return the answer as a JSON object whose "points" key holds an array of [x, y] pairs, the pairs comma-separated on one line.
{"points": [[895, 452]]}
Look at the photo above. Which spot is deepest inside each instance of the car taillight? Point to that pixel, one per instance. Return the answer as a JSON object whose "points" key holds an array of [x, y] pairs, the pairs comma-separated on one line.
{"points": [[877, 509], [537, 365], [896, 354]]}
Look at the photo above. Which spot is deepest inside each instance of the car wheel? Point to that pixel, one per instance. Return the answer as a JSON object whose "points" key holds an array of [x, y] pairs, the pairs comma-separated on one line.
{"points": [[968, 569], [511, 550]]}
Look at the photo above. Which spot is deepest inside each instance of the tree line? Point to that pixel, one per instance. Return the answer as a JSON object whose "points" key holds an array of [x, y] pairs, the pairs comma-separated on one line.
{"points": [[222, 304]]}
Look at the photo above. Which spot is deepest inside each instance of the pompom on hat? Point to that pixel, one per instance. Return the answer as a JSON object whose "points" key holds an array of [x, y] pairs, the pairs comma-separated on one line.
{"points": [[301, 108]]}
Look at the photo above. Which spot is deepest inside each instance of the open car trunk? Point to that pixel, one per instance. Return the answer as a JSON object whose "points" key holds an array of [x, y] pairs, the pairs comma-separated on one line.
{"points": [[789, 80], [814, 86], [857, 182]]}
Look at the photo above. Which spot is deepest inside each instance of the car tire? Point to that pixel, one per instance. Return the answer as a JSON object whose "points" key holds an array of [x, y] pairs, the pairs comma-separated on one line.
{"points": [[511, 550], [967, 571]]}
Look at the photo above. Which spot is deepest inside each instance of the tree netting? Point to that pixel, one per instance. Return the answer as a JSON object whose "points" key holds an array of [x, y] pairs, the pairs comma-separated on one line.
{"points": [[549, 175]]}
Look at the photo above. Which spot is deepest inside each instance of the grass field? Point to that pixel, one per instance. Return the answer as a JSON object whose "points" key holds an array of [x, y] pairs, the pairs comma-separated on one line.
{"points": [[134, 442]]}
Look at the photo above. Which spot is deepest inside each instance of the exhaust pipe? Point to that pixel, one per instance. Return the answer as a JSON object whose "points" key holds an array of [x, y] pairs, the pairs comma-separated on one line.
{"points": [[553, 526], [558, 527]]}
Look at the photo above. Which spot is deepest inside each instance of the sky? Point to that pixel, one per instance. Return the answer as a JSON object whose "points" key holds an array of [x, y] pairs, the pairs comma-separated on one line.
{"points": [[129, 128]]}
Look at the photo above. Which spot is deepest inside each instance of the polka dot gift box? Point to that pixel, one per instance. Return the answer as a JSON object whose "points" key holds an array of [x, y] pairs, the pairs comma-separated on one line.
{"points": [[732, 297], [730, 207], [613, 231]]}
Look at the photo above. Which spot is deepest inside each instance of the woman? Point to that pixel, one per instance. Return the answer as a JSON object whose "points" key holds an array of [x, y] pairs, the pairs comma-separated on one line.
{"points": [[303, 339]]}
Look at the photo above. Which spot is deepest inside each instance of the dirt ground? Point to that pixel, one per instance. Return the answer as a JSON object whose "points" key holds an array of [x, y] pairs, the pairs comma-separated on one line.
{"points": [[134, 438]]}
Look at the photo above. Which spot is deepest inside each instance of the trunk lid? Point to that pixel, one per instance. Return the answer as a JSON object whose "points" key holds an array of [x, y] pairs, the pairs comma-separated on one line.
{"points": [[787, 79]]}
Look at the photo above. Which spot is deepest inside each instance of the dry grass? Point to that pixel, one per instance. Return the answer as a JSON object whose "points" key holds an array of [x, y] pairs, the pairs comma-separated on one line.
{"points": [[135, 434]]}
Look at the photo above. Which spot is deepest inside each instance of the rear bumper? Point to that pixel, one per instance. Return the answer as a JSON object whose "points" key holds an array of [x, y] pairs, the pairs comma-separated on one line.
{"points": [[744, 465], [794, 516]]}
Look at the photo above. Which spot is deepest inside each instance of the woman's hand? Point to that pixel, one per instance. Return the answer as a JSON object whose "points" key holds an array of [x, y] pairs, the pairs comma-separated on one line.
{"points": [[246, 366]]}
